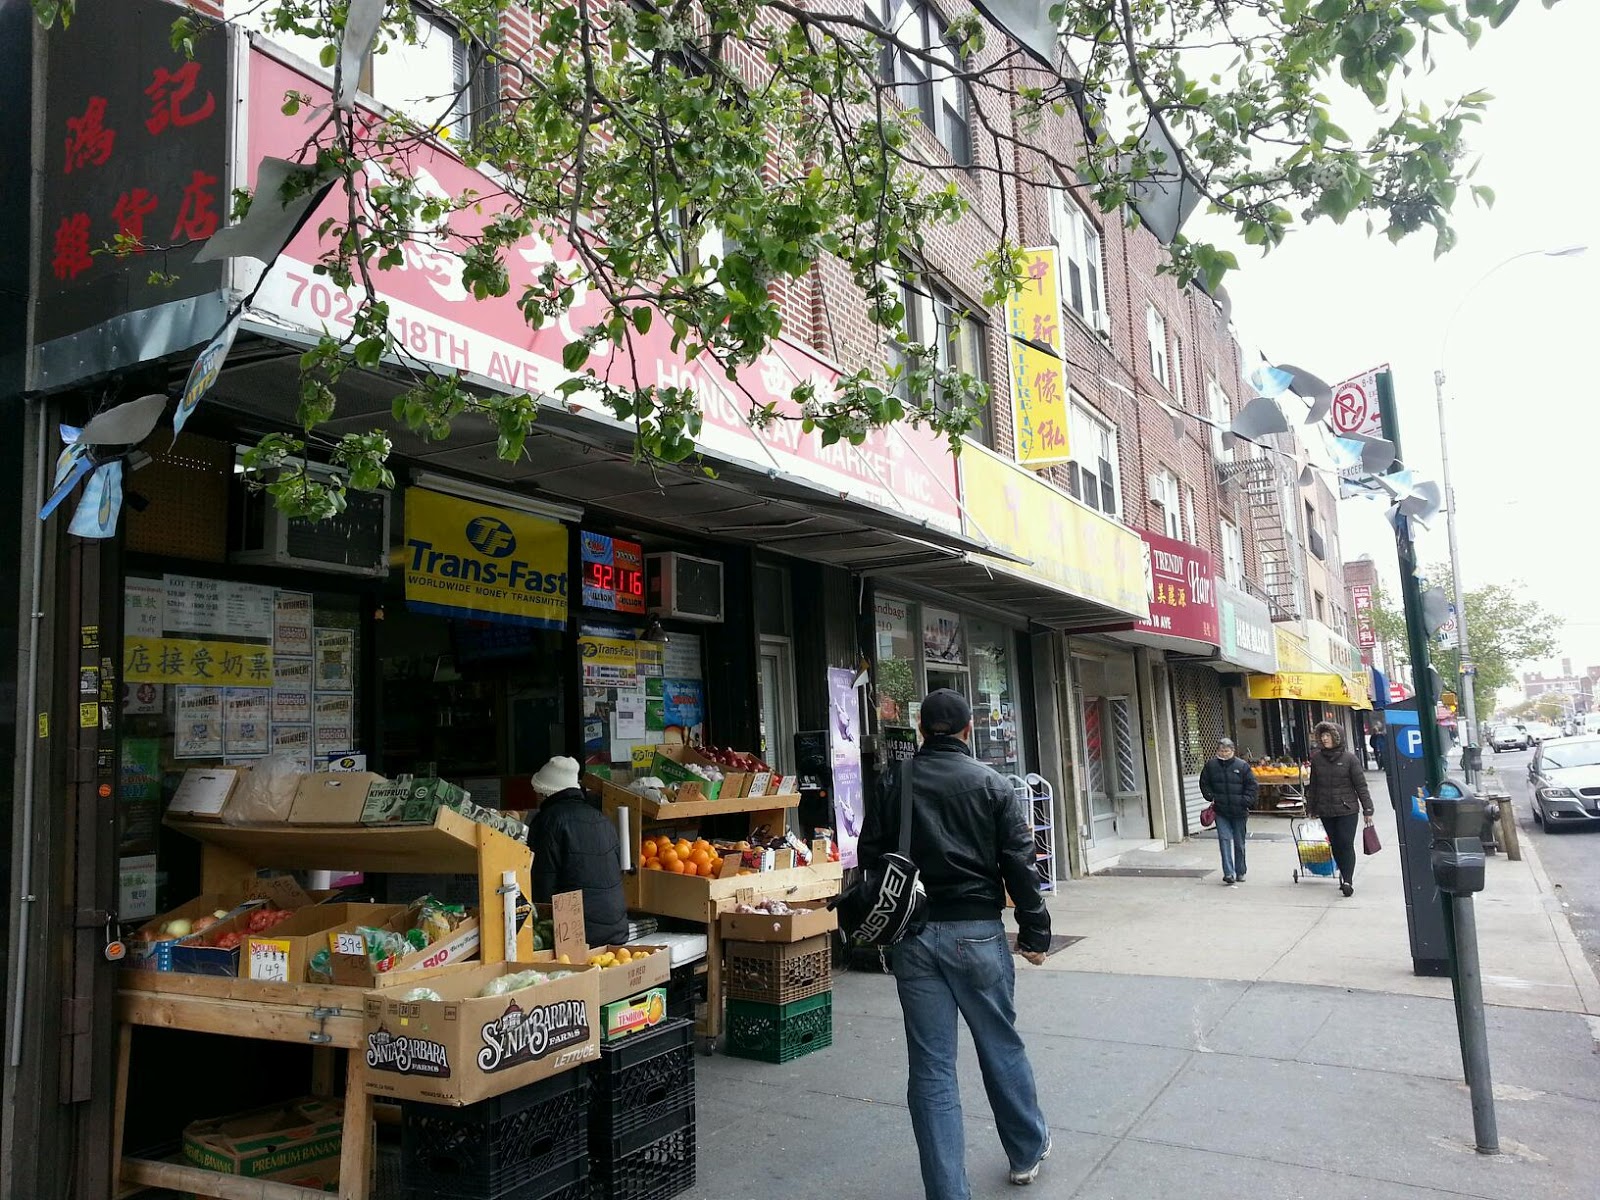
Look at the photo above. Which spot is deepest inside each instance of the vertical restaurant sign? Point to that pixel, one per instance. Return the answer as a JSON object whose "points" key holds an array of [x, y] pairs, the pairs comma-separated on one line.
{"points": [[1038, 372], [134, 151], [844, 747], [1180, 585], [435, 315], [468, 559], [1361, 603]]}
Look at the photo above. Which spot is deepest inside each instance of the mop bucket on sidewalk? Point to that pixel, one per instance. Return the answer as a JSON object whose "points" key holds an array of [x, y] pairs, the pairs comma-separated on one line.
{"points": [[1312, 848]]}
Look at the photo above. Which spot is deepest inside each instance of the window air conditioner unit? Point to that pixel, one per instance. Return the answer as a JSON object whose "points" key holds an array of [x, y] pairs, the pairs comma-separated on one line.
{"points": [[684, 588], [356, 542]]}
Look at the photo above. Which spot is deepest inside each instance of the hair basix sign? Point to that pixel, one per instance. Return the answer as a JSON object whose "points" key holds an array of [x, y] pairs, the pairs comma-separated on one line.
{"points": [[1180, 584]]}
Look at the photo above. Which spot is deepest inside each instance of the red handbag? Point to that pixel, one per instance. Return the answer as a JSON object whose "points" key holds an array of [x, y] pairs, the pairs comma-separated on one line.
{"points": [[1208, 816], [1369, 840]]}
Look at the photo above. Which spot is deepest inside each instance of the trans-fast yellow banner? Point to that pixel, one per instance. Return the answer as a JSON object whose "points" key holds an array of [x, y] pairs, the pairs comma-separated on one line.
{"points": [[473, 560]]}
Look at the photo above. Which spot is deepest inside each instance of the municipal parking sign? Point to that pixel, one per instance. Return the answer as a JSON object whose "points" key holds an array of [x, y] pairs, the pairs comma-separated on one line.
{"points": [[1408, 740]]}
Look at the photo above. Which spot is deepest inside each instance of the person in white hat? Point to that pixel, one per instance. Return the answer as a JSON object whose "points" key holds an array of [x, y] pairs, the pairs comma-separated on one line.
{"points": [[575, 849]]}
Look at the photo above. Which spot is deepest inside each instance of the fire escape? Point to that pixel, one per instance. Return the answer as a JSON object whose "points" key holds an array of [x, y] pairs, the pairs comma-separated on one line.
{"points": [[1262, 481]]}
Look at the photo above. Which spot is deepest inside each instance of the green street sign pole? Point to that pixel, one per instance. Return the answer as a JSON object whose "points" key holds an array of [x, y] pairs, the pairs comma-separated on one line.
{"points": [[1460, 922], [1411, 596]]}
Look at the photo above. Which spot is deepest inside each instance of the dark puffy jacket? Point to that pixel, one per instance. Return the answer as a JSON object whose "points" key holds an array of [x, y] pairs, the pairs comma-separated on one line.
{"points": [[1230, 785], [1338, 786], [575, 848], [970, 838]]}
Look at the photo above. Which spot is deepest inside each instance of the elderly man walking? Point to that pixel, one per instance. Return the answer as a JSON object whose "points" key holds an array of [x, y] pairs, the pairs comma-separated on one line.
{"points": [[1229, 786]]}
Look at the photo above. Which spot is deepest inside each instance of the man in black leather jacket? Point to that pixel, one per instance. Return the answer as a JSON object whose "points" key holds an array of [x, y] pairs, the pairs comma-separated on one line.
{"points": [[973, 844]]}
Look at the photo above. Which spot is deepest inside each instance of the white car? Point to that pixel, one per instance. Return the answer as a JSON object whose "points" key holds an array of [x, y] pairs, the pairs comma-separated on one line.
{"points": [[1541, 732], [1510, 736]]}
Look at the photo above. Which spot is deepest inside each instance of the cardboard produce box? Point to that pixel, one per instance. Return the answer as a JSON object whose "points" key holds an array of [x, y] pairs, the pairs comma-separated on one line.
{"points": [[353, 966], [148, 954], [466, 1047], [332, 797], [386, 802], [427, 796], [669, 767], [629, 979], [794, 926], [633, 1015], [283, 954], [297, 1143]]}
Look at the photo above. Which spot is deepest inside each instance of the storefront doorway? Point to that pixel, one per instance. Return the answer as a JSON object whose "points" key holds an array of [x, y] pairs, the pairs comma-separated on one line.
{"points": [[1116, 799], [778, 728]]}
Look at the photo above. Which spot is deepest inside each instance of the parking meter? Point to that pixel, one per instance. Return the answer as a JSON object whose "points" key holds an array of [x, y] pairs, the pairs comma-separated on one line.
{"points": [[1472, 760], [1455, 819]]}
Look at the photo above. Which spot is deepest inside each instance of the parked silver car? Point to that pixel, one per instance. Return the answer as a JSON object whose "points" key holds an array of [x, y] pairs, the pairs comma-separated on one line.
{"points": [[1510, 736], [1565, 780]]}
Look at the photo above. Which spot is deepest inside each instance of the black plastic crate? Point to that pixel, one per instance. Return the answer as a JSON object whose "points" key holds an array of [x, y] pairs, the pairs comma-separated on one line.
{"points": [[660, 1168], [685, 990], [638, 1083], [484, 1150], [779, 1033], [569, 1181]]}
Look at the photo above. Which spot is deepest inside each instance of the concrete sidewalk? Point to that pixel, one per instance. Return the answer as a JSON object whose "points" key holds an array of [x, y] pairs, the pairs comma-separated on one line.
{"points": [[1263, 1042], [1271, 929], [1201, 1089]]}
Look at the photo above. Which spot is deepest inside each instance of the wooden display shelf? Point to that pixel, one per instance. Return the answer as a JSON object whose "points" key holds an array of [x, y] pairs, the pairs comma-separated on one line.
{"points": [[232, 855], [329, 1018], [613, 797]]}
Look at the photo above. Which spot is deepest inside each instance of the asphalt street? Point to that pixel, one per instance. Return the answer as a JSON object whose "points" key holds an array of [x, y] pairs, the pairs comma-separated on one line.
{"points": [[1571, 858]]}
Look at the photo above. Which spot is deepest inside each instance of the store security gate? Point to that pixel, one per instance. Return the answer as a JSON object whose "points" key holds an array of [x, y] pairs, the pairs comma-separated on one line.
{"points": [[1200, 714]]}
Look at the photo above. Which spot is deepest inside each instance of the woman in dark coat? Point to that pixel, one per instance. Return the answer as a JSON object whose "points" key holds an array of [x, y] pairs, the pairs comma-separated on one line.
{"points": [[1336, 794]]}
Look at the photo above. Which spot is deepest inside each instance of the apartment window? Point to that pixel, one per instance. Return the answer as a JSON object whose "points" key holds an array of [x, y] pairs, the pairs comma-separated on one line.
{"points": [[936, 317], [1082, 272], [926, 82], [436, 82], [1092, 472], [1217, 400], [1177, 371], [1193, 537], [1155, 326], [1311, 518], [1232, 554], [1164, 495], [1320, 607]]}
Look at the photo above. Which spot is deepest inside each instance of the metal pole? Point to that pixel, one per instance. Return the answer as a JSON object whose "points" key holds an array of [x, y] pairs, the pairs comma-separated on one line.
{"points": [[1411, 595], [1474, 1037], [1469, 735]]}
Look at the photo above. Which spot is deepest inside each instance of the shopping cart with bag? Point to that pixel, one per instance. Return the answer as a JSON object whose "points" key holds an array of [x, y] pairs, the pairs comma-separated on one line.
{"points": [[1312, 848]]}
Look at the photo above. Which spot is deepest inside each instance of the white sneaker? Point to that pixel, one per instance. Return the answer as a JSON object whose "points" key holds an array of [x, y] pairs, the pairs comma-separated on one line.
{"points": [[1024, 1177]]}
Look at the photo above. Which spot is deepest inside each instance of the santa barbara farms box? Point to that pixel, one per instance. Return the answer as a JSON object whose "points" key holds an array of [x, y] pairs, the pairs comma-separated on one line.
{"points": [[466, 1047]]}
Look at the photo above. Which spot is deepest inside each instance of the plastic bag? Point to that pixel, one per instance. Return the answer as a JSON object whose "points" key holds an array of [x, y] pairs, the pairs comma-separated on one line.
{"points": [[421, 993], [267, 791]]}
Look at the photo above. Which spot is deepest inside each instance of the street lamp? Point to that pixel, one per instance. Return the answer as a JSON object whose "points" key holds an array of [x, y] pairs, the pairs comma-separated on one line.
{"points": [[1469, 734]]}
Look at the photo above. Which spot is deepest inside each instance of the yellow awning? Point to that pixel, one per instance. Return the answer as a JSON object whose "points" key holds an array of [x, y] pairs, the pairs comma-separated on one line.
{"points": [[1306, 685]]}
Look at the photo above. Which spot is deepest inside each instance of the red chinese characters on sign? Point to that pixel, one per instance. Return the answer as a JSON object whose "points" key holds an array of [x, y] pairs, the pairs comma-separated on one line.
{"points": [[172, 103], [1180, 583], [132, 208], [89, 142], [198, 217], [1366, 628], [71, 257]]}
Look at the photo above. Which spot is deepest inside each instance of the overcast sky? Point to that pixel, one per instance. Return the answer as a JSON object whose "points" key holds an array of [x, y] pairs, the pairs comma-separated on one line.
{"points": [[1522, 410]]}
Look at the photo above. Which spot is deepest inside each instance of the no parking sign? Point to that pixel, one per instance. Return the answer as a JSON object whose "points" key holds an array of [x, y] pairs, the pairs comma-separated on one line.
{"points": [[1355, 406]]}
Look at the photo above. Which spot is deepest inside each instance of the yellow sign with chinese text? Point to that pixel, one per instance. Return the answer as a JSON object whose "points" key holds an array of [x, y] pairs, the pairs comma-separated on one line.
{"points": [[196, 660], [1299, 685], [1038, 372], [465, 558], [1065, 545]]}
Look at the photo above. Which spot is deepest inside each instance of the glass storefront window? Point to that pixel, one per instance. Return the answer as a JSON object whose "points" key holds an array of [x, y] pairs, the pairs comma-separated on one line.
{"points": [[899, 681], [995, 726]]}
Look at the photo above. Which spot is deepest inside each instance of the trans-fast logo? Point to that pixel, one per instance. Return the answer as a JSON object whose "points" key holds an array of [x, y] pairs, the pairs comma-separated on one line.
{"points": [[491, 536]]}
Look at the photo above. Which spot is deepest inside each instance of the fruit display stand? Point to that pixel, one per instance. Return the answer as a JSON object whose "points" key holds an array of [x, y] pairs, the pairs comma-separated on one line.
{"points": [[329, 1017], [1280, 791], [702, 900]]}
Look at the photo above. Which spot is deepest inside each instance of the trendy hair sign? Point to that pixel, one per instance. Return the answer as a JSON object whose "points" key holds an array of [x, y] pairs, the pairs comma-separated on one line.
{"points": [[1180, 585]]}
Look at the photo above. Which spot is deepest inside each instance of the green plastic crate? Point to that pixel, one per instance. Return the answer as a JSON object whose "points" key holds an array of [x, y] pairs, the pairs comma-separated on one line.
{"points": [[779, 1033]]}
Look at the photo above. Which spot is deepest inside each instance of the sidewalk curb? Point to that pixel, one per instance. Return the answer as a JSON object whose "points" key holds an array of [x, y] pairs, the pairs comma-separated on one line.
{"points": [[1583, 974]]}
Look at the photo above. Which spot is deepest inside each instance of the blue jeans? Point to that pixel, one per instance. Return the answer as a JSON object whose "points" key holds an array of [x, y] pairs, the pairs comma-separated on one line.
{"points": [[964, 967], [1230, 836]]}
